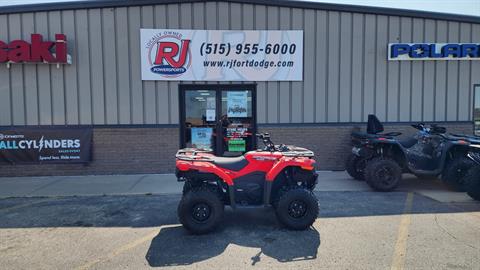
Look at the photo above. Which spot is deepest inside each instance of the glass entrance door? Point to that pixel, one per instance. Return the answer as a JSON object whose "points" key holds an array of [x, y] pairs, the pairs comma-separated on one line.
{"points": [[238, 126], [218, 118]]}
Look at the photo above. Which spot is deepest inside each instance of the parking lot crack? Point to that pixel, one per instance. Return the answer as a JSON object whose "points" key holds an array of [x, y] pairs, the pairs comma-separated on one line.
{"points": [[256, 258], [137, 182], [451, 235], [46, 185], [24, 205]]}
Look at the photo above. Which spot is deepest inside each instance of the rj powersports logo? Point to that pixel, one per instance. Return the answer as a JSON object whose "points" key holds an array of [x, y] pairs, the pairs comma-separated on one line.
{"points": [[11, 142], [168, 54]]}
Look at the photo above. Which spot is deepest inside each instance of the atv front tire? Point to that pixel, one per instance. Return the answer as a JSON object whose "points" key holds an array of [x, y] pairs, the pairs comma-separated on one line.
{"points": [[472, 180], [200, 210], [455, 171], [355, 167], [297, 208], [383, 174]]}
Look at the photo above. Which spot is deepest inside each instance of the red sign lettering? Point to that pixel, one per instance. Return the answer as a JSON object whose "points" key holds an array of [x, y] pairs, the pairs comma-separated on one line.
{"points": [[168, 50], [3, 52], [19, 51]]}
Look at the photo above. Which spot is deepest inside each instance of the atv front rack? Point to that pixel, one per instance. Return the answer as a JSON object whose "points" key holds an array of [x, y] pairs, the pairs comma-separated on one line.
{"points": [[190, 154], [307, 153], [294, 151]]}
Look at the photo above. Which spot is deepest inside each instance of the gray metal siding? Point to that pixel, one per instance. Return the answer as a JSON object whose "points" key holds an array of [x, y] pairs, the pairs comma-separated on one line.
{"points": [[346, 72]]}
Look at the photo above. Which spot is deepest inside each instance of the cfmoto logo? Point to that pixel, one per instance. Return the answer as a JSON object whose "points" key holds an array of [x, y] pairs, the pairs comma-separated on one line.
{"points": [[2, 137]]}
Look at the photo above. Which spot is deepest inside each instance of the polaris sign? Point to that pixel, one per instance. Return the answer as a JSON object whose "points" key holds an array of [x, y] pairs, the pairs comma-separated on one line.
{"points": [[434, 51]]}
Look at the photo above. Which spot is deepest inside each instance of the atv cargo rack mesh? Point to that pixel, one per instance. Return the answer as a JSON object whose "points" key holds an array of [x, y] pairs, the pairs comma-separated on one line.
{"points": [[190, 154], [297, 152]]}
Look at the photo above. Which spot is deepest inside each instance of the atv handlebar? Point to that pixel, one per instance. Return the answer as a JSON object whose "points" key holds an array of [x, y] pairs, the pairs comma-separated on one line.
{"points": [[269, 145], [432, 129], [287, 150]]}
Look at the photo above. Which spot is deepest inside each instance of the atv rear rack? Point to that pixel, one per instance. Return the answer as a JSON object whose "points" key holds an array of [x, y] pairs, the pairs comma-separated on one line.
{"points": [[190, 154]]}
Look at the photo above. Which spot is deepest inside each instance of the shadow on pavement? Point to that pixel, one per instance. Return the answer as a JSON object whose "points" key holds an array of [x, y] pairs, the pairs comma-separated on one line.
{"points": [[175, 246]]}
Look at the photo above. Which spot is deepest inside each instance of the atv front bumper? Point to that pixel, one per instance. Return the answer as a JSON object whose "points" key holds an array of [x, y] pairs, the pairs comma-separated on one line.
{"points": [[363, 152]]}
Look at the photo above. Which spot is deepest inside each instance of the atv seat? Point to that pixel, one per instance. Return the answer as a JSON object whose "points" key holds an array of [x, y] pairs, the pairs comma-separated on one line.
{"points": [[408, 142], [230, 163], [364, 135], [375, 127]]}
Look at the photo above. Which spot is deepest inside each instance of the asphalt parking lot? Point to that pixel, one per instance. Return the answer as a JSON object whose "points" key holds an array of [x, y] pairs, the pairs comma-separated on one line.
{"points": [[355, 230]]}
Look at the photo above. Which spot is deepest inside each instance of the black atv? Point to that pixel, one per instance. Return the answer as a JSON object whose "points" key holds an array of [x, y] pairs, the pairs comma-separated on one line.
{"points": [[472, 179], [427, 154], [356, 161], [464, 154]]}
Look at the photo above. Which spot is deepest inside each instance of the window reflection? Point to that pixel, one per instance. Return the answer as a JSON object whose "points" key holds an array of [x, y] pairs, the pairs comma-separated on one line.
{"points": [[200, 119]]}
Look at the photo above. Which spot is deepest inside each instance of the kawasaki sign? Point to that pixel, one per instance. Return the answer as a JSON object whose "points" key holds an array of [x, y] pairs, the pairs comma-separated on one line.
{"points": [[35, 51], [45, 145], [434, 51]]}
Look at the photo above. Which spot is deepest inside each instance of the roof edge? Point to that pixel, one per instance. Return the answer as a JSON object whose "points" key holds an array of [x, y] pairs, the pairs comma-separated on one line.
{"points": [[282, 3]]}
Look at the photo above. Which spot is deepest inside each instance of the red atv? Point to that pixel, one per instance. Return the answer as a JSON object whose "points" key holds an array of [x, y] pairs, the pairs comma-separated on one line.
{"points": [[278, 175]]}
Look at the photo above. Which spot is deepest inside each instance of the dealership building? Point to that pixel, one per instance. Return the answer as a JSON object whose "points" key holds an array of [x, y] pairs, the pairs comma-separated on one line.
{"points": [[112, 87]]}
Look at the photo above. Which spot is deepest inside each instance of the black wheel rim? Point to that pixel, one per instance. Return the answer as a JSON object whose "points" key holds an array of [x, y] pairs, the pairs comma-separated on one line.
{"points": [[201, 212], [385, 175], [460, 175], [360, 165], [297, 209]]}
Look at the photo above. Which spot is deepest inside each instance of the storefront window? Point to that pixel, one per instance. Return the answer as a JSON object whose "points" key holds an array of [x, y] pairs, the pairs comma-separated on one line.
{"points": [[200, 119], [238, 131], [476, 110]]}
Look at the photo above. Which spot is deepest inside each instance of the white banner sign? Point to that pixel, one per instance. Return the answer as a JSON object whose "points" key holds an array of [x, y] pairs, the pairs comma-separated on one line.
{"points": [[220, 55]]}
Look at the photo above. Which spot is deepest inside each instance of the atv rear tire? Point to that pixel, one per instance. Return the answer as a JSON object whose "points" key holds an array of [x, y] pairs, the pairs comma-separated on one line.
{"points": [[383, 174], [297, 208], [355, 167], [472, 180], [455, 171], [200, 210]]}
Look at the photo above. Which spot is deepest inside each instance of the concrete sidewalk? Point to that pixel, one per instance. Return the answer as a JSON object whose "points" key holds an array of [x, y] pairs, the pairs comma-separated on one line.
{"points": [[89, 185], [167, 184]]}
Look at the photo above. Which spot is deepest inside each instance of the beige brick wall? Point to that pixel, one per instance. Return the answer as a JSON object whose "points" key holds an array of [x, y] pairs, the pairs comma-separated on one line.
{"points": [[116, 151], [152, 150]]}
